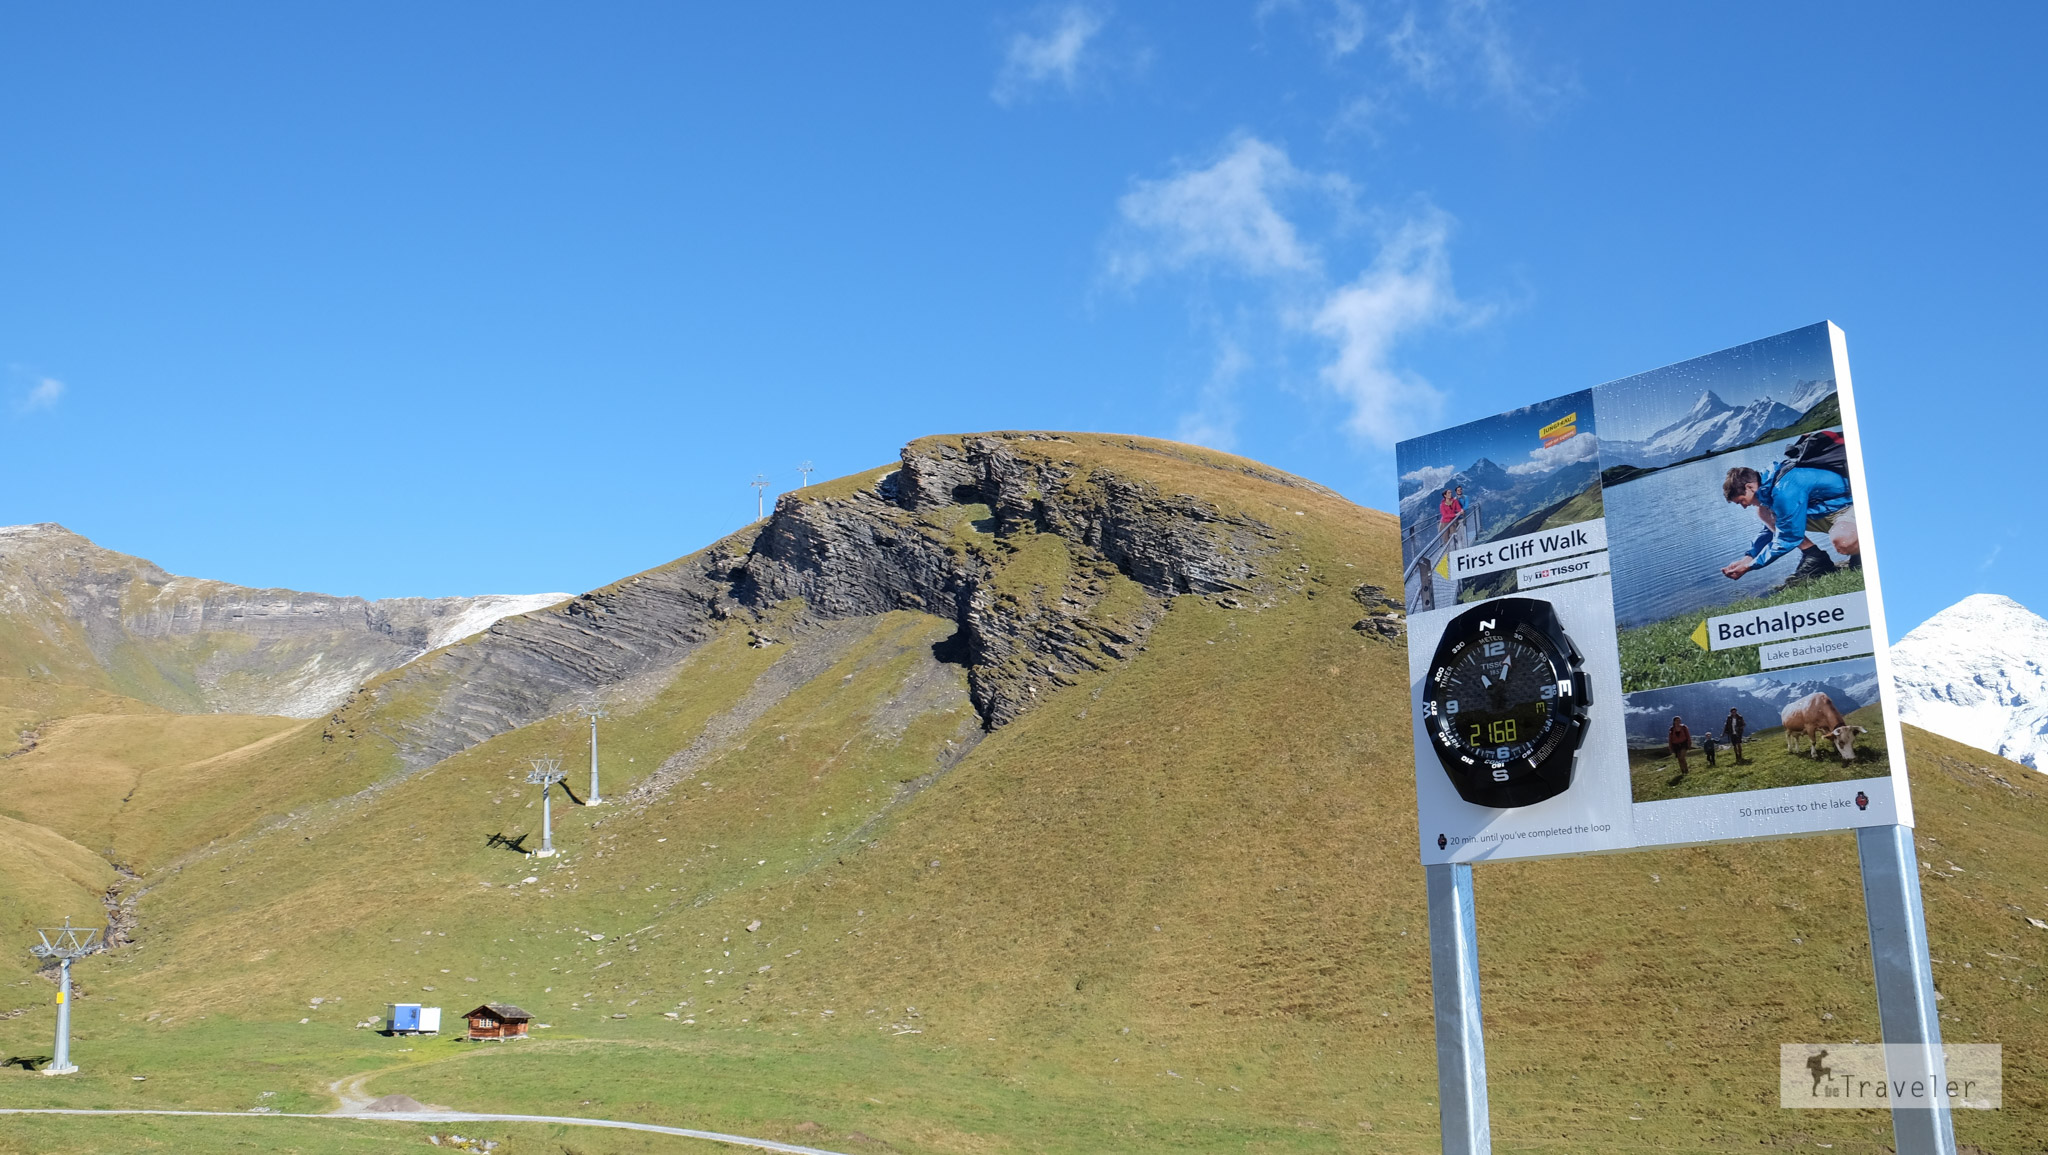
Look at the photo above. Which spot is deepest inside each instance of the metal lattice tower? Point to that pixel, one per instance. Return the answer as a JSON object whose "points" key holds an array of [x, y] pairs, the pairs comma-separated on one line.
{"points": [[65, 943], [760, 484], [596, 799], [546, 772], [806, 470]]}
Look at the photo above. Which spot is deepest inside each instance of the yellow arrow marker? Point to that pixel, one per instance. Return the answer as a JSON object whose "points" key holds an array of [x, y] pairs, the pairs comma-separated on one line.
{"points": [[1699, 636], [1443, 570]]}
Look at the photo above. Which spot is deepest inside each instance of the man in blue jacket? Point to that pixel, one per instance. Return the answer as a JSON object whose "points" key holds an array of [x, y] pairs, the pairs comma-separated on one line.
{"points": [[1793, 501]]}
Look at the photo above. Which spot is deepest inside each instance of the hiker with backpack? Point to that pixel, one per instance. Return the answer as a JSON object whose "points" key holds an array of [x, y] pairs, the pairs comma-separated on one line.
{"points": [[1806, 492]]}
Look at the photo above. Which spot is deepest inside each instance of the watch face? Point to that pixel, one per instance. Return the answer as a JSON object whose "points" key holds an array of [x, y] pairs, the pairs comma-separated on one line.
{"points": [[1497, 700], [1505, 704]]}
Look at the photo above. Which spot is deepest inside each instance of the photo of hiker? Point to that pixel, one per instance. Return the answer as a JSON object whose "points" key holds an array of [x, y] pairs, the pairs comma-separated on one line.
{"points": [[1713, 472], [1819, 723], [1805, 493], [1732, 729], [1678, 741], [1531, 469]]}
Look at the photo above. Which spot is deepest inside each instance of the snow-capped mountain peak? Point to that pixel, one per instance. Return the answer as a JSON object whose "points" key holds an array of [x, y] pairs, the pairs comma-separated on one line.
{"points": [[1811, 393], [1709, 404], [1975, 672], [1710, 426]]}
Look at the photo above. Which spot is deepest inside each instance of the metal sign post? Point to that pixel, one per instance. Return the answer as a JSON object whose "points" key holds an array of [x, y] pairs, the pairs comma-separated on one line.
{"points": [[1898, 954], [595, 799], [1560, 672], [1460, 1038], [546, 772], [65, 944], [1905, 981]]}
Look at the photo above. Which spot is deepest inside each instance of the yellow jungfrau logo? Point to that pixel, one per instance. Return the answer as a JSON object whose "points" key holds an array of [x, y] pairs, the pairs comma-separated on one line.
{"points": [[1699, 636], [1559, 431]]}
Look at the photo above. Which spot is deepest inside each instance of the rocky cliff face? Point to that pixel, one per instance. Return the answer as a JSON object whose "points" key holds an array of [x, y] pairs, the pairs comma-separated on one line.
{"points": [[1052, 554], [72, 611]]}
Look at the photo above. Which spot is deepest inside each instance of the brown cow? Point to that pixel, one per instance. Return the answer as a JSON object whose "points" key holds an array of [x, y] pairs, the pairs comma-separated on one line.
{"points": [[1813, 716]]}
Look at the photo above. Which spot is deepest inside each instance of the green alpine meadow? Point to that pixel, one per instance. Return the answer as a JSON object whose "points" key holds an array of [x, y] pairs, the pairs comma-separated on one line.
{"points": [[1036, 792]]}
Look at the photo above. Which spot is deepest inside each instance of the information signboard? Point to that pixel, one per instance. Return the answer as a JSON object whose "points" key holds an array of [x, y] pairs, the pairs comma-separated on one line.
{"points": [[1647, 614]]}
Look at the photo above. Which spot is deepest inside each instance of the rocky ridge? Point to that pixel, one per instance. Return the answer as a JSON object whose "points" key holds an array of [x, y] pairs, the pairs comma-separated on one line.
{"points": [[1049, 566], [72, 611]]}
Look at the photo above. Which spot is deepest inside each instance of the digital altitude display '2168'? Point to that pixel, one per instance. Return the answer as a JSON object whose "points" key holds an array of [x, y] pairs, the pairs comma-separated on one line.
{"points": [[1504, 703]]}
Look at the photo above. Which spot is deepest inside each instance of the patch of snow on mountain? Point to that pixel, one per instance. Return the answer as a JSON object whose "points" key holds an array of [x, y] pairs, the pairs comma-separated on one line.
{"points": [[484, 612], [1812, 393], [1975, 672], [1709, 426]]}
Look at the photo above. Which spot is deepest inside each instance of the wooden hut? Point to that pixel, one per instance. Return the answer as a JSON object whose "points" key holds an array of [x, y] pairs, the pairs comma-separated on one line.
{"points": [[498, 1021]]}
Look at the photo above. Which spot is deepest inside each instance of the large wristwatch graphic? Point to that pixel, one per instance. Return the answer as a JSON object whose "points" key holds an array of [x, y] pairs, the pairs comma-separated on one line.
{"points": [[1504, 703]]}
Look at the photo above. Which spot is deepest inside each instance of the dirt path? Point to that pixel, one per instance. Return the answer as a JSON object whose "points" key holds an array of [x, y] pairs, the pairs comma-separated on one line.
{"points": [[452, 1117]]}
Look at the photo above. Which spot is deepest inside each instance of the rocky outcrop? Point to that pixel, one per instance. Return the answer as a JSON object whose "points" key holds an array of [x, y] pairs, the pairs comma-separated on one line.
{"points": [[915, 541], [1050, 568], [90, 615], [526, 668]]}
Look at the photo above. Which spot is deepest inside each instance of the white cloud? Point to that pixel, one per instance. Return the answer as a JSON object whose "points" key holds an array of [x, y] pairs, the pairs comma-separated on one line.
{"points": [[1345, 30], [1570, 451], [1225, 213], [1232, 214], [1429, 476], [1406, 289], [1451, 50], [1467, 45], [1342, 26], [1051, 57], [1213, 420], [44, 394]]}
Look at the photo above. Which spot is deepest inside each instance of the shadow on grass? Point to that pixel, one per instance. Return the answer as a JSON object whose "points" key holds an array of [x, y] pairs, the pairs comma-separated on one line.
{"points": [[26, 1062], [515, 845]]}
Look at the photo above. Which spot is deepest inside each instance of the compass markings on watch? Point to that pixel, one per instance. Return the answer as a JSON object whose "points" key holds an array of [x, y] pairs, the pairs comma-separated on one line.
{"points": [[1507, 704]]}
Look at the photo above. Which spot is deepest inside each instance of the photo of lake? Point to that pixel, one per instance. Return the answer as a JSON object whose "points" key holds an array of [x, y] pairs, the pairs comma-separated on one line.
{"points": [[1671, 531]]}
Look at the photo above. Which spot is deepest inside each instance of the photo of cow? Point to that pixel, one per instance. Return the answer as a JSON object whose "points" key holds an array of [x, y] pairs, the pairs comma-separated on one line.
{"points": [[1789, 727]]}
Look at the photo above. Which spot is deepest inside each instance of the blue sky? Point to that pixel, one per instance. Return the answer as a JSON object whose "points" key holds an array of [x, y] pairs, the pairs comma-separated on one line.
{"points": [[436, 299]]}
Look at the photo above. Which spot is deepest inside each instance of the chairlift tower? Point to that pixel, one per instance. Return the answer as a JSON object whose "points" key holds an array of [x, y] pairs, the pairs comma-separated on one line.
{"points": [[65, 943], [595, 799], [546, 772], [760, 484], [806, 470]]}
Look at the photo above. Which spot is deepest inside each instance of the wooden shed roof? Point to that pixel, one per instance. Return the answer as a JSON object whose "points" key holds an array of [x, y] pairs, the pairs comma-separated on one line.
{"points": [[503, 1012]]}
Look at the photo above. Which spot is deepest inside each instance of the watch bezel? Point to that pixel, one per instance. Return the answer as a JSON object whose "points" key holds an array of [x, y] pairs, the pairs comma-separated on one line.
{"points": [[1550, 766]]}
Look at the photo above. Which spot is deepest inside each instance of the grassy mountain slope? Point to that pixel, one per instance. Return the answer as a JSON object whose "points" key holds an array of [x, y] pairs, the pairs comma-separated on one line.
{"points": [[1172, 904]]}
